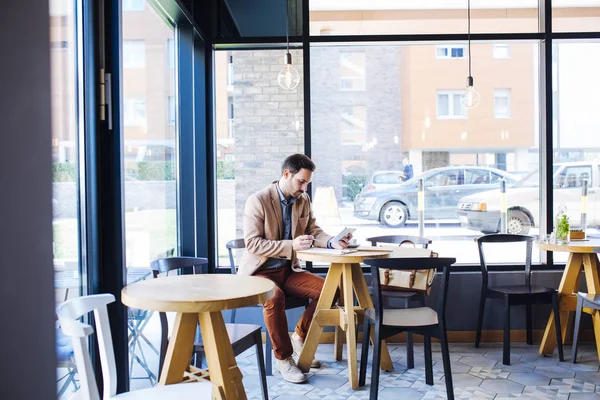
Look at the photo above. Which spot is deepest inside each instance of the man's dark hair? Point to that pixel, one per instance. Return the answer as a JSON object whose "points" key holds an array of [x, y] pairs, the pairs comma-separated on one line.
{"points": [[296, 162]]}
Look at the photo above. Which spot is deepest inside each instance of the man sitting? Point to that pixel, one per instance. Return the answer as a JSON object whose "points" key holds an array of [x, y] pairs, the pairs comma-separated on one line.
{"points": [[278, 221]]}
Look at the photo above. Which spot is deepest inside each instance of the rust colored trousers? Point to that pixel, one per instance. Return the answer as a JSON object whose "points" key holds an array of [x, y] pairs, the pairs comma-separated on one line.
{"points": [[294, 284]]}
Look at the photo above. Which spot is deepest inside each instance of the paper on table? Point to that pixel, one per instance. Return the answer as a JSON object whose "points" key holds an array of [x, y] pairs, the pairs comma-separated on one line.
{"points": [[331, 251]]}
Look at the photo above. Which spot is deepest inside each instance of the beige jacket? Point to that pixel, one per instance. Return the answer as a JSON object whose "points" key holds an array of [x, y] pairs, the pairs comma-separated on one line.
{"points": [[263, 229]]}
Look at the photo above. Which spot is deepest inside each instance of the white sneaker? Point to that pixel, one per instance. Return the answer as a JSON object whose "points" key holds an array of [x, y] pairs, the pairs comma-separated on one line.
{"points": [[289, 371], [297, 345]]}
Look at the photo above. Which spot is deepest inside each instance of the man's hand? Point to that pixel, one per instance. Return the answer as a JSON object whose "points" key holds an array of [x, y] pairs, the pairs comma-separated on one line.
{"points": [[303, 242], [343, 243]]}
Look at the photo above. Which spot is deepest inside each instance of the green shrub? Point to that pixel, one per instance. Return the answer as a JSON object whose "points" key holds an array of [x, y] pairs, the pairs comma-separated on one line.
{"points": [[354, 184], [225, 169], [156, 170], [64, 172]]}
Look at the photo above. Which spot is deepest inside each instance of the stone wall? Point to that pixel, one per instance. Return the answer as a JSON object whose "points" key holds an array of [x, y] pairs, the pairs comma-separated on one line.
{"points": [[265, 122]]}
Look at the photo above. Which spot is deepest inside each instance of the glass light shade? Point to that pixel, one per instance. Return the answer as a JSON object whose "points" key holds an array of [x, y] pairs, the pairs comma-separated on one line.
{"points": [[470, 97], [288, 78]]}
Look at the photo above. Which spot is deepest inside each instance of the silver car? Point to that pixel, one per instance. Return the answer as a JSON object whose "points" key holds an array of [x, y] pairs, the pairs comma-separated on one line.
{"points": [[444, 187]]}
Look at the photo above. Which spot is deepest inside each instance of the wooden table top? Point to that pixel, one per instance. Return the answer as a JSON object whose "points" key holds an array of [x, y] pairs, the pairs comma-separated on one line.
{"points": [[577, 246], [320, 255], [197, 293]]}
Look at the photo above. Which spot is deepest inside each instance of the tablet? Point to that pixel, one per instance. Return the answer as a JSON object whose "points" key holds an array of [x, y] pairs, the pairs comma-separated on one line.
{"points": [[345, 232]]}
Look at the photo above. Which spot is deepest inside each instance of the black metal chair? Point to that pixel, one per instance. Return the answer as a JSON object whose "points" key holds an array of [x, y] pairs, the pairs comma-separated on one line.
{"points": [[407, 297], [242, 336], [584, 300], [421, 320], [511, 295], [290, 302]]}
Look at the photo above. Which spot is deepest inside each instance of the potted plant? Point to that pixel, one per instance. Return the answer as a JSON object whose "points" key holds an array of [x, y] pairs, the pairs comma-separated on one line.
{"points": [[562, 229]]}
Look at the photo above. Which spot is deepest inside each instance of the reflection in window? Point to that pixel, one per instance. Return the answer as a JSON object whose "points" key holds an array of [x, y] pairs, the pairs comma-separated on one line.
{"points": [[502, 103], [352, 70], [449, 105], [149, 110], [353, 125], [171, 53], [171, 111], [134, 54], [64, 51], [135, 112]]}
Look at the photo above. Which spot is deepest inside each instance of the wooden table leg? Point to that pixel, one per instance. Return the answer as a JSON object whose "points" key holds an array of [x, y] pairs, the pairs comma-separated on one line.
{"points": [[332, 281], [225, 375], [179, 352], [568, 284], [590, 266], [348, 295], [365, 301], [338, 342]]}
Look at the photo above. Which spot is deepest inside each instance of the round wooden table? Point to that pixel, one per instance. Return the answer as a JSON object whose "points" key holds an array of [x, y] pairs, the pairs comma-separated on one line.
{"points": [[345, 273], [584, 253], [200, 298]]}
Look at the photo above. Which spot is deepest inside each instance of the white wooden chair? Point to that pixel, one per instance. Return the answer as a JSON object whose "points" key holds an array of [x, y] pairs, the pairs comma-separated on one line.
{"points": [[69, 313]]}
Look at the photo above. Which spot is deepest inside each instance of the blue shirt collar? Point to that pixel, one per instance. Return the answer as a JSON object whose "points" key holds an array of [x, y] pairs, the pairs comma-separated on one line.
{"points": [[282, 197]]}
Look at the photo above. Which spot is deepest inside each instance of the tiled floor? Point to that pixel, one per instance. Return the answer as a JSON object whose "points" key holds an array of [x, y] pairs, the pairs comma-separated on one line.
{"points": [[477, 374]]}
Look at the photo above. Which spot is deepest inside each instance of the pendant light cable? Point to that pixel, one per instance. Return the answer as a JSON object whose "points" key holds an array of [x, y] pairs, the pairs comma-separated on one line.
{"points": [[287, 12], [469, 32]]}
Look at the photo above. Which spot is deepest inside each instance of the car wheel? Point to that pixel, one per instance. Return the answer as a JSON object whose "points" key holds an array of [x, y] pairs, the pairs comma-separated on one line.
{"points": [[393, 214], [518, 223]]}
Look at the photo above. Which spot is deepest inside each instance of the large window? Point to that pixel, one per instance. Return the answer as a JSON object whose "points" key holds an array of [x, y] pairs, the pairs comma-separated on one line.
{"points": [[410, 125], [576, 126], [149, 162], [252, 143], [65, 188]]}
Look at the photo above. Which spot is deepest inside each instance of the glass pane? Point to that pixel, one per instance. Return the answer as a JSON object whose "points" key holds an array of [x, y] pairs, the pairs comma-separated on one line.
{"points": [[457, 107], [149, 164], [576, 125], [576, 16], [443, 105], [416, 125], [267, 126], [384, 17], [65, 165]]}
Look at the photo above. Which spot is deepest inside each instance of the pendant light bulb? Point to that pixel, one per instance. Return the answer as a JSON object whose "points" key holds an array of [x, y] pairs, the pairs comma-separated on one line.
{"points": [[288, 78], [470, 97]]}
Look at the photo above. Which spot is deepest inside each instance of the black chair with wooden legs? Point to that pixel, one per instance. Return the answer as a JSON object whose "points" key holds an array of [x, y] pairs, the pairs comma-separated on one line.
{"points": [[420, 320], [512, 295], [241, 336], [290, 302], [406, 297]]}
